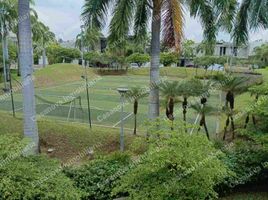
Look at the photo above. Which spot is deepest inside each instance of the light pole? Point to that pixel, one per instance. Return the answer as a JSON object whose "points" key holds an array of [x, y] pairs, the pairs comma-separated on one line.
{"points": [[122, 92], [85, 77]]}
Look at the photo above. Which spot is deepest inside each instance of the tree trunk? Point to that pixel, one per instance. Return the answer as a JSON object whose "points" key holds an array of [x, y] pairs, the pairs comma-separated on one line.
{"points": [[4, 64], [18, 60], [135, 124], [6, 57], [155, 60], [136, 104], [26, 66], [44, 57]]}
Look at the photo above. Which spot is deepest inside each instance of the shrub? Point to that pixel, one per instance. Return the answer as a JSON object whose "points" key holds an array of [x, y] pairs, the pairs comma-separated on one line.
{"points": [[138, 58], [58, 54], [169, 58], [178, 166], [35, 177], [98, 178], [247, 160]]}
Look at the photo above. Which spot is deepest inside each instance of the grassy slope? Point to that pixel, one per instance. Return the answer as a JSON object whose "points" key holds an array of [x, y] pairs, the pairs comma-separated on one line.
{"points": [[67, 139], [59, 74]]}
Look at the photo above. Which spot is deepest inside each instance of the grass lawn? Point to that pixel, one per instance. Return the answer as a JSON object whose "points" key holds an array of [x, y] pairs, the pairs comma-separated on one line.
{"points": [[68, 139], [57, 82]]}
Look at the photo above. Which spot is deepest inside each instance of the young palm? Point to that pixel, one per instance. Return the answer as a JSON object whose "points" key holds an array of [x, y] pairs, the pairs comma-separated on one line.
{"points": [[169, 91], [26, 62], [170, 12], [135, 94], [230, 86], [257, 91], [203, 110]]}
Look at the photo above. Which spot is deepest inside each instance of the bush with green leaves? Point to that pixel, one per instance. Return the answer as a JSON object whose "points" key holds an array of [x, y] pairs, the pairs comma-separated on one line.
{"points": [[169, 58], [247, 159], [176, 166], [34, 177], [138, 58], [98, 178], [59, 54], [206, 61]]}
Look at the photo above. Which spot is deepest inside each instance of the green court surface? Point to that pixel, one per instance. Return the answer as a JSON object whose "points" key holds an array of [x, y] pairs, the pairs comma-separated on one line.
{"points": [[104, 103]]}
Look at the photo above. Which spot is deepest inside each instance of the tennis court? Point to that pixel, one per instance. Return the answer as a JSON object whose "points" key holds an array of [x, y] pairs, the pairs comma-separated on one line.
{"points": [[68, 102]]}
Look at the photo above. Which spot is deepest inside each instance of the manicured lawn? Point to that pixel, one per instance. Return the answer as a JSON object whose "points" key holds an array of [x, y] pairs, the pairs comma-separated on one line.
{"points": [[55, 83]]}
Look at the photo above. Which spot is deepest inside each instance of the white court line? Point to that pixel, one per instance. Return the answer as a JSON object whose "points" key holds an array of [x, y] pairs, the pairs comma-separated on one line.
{"points": [[123, 120]]}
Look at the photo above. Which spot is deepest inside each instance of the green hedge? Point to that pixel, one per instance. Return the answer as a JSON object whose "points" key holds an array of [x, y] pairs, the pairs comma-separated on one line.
{"points": [[31, 178]]}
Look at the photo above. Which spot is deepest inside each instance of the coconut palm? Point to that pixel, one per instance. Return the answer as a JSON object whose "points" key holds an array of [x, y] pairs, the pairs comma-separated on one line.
{"points": [[252, 15], [26, 65], [169, 91], [7, 20], [42, 36], [89, 39], [135, 94], [170, 12]]}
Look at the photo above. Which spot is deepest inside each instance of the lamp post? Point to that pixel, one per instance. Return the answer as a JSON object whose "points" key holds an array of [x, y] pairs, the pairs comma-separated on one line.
{"points": [[85, 77], [122, 92]]}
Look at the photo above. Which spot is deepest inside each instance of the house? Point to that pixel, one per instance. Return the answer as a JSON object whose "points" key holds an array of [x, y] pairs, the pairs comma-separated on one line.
{"points": [[225, 49]]}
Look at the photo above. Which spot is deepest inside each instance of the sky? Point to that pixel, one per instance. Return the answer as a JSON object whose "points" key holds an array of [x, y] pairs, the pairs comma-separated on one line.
{"points": [[63, 18]]}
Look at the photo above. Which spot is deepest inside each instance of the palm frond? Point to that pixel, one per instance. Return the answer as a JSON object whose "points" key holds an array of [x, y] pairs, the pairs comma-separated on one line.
{"points": [[143, 12], [121, 21], [95, 12], [173, 19]]}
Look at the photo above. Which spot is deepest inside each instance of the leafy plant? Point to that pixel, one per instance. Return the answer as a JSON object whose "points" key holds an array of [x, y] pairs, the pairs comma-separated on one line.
{"points": [[138, 58], [169, 58], [176, 166], [98, 178]]}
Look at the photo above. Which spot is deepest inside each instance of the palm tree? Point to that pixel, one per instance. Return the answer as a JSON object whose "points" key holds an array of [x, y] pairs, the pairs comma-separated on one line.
{"points": [[170, 12], [203, 110], [230, 86], [257, 91], [7, 20], [26, 65], [135, 94], [42, 36], [187, 89], [90, 39], [169, 91], [252, 15]]}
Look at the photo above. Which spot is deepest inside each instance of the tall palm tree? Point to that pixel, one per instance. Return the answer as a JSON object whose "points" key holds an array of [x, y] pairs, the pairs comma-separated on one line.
{"points": [[26, 66], [135, 94], [91, 38], [170, 12], [169, 90], [42, 36], [7, 20]]}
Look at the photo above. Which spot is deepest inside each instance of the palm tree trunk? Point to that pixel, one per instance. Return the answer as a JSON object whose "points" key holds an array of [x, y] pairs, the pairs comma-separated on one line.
{"points": [[44, 57], [18, 60], [155, 61], [26, 65], [6, 57], [136, 105], [135, 124], [225, 128]]}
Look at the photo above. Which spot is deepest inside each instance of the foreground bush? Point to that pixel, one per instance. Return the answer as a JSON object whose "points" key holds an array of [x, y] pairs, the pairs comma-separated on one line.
{"points": [[30, 178], [178, 166], [98, 178]]}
